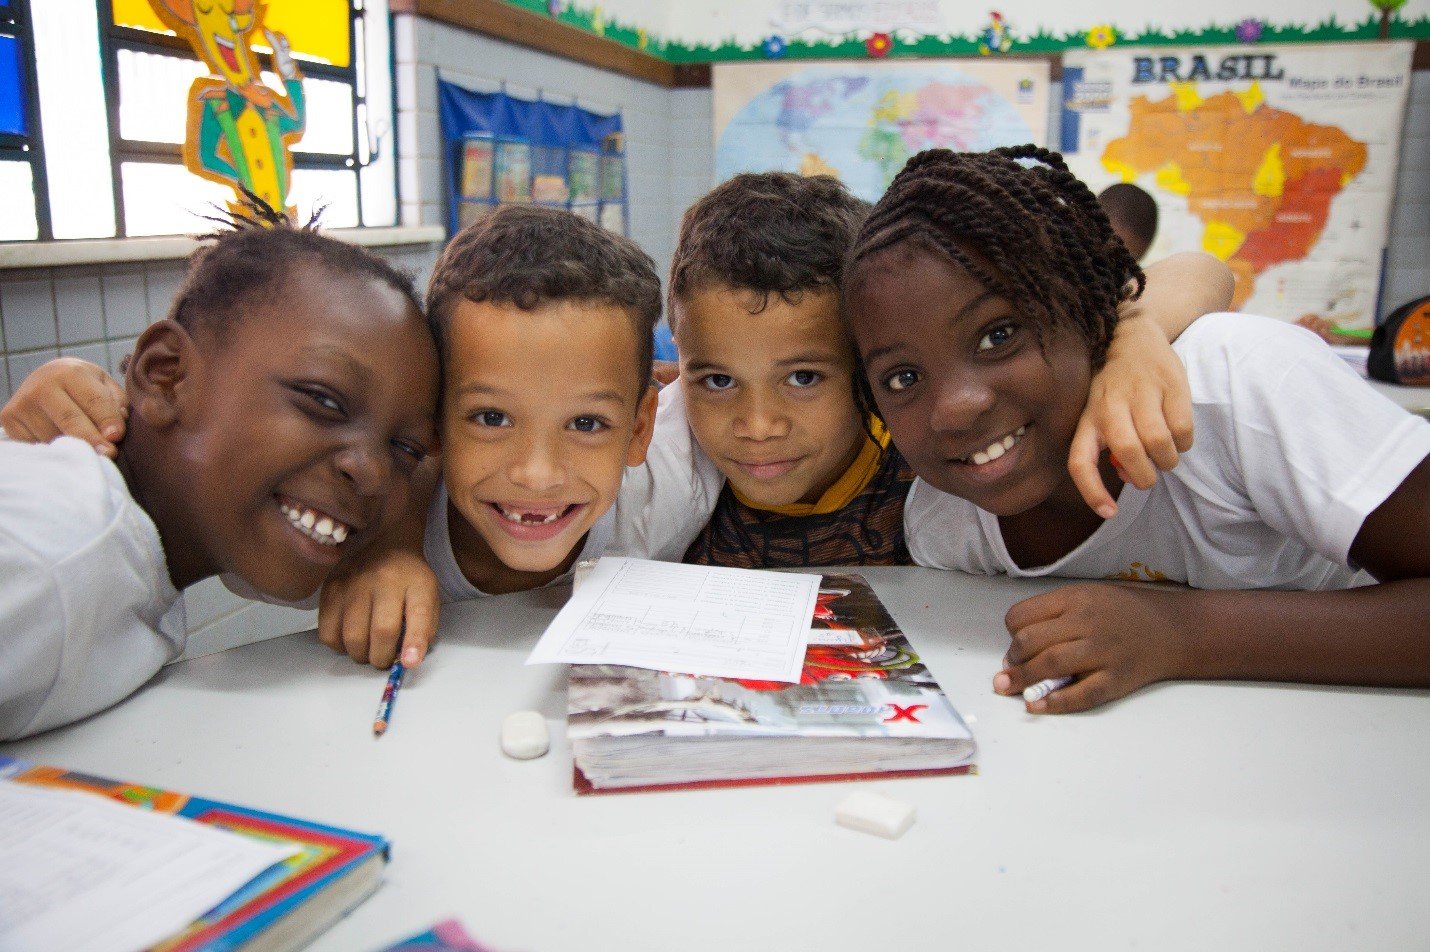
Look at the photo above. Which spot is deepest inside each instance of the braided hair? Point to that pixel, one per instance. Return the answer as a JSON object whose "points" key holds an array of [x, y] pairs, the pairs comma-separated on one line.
{"points": [[1034, 234], [253, 254]]}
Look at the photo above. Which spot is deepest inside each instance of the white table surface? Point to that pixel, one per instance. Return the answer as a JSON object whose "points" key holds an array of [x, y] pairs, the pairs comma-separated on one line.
{"points": [[1189, 816]]}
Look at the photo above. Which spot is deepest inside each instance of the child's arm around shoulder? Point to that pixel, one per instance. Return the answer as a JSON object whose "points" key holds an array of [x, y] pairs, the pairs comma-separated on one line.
{"points": [[1139, 406], [1324, 460], [68, 397], [388, 595]]}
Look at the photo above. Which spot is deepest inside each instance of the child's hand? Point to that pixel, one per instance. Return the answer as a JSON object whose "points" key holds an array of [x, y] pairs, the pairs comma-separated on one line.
{"points": [[68, 397], [1113, 639], [1139, 407], [384, 598]]}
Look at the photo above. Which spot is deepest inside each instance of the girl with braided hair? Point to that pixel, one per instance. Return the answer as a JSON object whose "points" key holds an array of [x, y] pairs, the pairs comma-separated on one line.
{"points": [[982, 294]]}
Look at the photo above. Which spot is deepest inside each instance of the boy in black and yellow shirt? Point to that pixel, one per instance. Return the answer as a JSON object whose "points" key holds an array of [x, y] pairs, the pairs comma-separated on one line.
{"points": [[768, 388]]}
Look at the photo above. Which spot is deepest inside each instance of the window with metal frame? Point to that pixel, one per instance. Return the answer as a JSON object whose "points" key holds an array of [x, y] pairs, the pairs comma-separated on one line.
{"points": [[22, 175], [344, 161]]}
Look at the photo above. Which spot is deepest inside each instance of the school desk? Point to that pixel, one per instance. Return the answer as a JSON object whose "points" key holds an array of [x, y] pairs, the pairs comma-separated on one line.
{"points": [[1186, 817]]}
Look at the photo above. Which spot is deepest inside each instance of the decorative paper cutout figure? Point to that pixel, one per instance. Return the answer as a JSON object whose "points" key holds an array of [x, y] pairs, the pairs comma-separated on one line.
{"points": [[240, 130]]}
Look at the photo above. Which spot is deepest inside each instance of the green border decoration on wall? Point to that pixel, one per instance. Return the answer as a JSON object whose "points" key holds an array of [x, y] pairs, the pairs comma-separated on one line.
{"points": [[1377, 25]]}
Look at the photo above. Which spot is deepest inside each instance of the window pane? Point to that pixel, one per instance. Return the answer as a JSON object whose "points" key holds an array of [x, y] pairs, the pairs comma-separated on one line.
{"points": [[329, 116], [12, 94], [74, 117], [138, 14], [153, 95], [316, 188], [17, 197], [316, 29], [162, 199], [379, 176]]}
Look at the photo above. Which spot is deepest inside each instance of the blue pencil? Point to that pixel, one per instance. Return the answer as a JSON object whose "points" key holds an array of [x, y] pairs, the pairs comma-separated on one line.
{"points": [[389, 698]]}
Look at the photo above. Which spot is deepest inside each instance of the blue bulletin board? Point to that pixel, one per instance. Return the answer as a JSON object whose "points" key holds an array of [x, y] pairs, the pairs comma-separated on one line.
{"points": [[501, 150]]}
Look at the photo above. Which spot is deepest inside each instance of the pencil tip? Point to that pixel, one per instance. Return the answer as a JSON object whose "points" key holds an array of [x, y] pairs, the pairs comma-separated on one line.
{"points": [[379, 728]]}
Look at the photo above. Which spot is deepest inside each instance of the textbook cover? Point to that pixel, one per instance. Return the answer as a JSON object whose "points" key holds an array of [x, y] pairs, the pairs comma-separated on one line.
{"points": [[282, 908], [865, 707]]}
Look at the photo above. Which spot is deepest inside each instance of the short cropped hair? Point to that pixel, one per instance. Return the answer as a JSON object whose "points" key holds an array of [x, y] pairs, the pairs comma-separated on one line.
{"points": [[250, 259], [531, 256], [1133, 214], [767, 233]]}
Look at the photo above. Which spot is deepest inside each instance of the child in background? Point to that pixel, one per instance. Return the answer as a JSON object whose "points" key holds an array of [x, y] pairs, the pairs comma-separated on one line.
{"points": [[274, 464], [983, 295], [1133, 216], [767, 374]]}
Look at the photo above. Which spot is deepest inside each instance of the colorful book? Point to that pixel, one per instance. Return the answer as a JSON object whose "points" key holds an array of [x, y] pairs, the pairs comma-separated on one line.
{"points": [[282, 908], [445, 936], [866, 707]]}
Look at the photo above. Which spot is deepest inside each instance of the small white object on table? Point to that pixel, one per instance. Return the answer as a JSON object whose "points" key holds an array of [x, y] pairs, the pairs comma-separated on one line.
{"points": [[1186, 817]]}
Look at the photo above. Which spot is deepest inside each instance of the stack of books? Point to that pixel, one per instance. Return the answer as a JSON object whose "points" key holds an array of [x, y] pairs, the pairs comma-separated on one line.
{"points": [[865, 707]]}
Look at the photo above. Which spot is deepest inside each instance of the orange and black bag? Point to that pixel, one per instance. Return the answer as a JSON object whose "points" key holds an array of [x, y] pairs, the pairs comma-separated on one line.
{"points": [[1400, 349]]}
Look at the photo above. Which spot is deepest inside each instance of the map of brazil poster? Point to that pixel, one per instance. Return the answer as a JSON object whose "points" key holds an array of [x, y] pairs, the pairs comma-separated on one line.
{"points": [[863, 121], [1280, 160]]}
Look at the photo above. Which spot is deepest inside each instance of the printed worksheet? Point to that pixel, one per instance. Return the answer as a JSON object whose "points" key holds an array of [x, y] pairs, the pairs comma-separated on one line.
{"points": [[691, 619], [85, 874]]}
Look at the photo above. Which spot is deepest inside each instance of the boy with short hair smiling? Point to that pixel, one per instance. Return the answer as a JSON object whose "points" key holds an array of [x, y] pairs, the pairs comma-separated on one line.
{"points": [[767, 373], [544, 321]]}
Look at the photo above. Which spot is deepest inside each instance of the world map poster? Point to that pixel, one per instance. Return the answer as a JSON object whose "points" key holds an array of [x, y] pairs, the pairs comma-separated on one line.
{"points": [[1280, 160], [863, 121]]}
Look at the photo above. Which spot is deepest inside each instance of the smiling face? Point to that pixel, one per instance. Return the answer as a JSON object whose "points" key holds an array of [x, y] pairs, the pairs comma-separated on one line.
{"points": [[770, 394], [975, 405], [543, 411], [223, 27], [291, 438]]}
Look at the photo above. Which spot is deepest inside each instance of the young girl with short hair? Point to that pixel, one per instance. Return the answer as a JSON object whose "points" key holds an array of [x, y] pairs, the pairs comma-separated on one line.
{"points": [[276, 419]]}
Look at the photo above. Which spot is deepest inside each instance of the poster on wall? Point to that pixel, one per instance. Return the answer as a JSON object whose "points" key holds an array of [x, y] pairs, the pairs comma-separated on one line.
{"points": [[1280, 160], [862, 121]]}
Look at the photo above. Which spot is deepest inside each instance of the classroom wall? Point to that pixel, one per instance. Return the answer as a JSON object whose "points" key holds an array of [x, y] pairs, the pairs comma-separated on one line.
{"points": [[709, 23], [97, 312], [425, 48]]}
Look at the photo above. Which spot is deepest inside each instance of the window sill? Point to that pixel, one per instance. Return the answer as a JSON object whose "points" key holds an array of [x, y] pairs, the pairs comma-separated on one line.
{"points": [[57, 254]]}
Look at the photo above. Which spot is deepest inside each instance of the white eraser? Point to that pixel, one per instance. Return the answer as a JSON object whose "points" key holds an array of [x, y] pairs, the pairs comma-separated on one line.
{"points": [[524, 735], [875, 813]]}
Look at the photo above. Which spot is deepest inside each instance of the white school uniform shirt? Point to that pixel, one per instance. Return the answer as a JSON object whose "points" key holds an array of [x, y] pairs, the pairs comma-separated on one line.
{"points": [[662, 506], [1292, 452], [87, 610]]}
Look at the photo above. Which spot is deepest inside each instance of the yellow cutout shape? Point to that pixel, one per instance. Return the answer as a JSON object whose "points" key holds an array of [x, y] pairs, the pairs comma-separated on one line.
{"points": [[317, 29]]}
